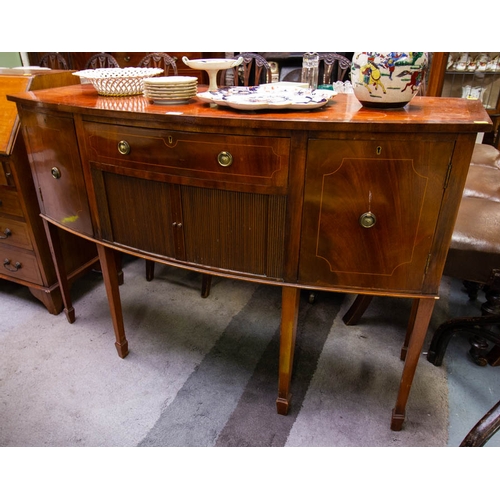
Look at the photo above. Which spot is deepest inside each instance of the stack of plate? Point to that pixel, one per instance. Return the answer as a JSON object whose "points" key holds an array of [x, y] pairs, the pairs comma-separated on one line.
{"points": [[170, 89]]}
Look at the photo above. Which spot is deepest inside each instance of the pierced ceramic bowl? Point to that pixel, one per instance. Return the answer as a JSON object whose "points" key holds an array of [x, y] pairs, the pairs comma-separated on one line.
{"points": [[387, 79], [118, 82]]}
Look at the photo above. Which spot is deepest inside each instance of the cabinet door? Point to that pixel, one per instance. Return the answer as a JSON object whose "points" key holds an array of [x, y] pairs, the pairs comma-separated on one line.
{"points": [[134, 212], [370, 211], [55, 162], [242, 232]]}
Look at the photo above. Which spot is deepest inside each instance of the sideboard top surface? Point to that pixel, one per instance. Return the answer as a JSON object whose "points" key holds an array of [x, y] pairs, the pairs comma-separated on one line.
{"points": [[343, 113]]}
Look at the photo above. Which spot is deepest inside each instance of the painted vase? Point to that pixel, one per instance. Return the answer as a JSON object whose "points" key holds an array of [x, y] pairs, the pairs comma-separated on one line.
{"points": [[387, 79]]}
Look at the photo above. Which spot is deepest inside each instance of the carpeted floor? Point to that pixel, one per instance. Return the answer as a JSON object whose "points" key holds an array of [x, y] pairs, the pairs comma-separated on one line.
{"points": [[203, 372]]}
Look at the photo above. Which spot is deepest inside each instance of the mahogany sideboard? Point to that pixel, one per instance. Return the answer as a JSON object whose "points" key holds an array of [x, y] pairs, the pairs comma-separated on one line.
{"points": [[342, 198], [24, 248]]}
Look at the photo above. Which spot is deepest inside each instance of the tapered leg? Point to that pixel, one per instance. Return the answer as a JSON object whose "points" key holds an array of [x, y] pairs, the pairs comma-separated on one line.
{"points": [[409, 330], [57, 257], [289, 316], [206, 283], [107, 258], [150, 270], [423, 311]]}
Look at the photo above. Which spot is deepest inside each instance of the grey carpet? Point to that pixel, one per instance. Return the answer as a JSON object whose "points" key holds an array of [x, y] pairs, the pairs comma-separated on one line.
{"points": [[203, 372]]}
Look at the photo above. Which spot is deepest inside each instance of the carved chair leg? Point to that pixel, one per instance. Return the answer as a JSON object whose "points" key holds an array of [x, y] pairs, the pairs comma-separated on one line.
{"points": [[472, 288], [479, 350], [357, 309], [478, 325], [484, 429], [494, 356]]}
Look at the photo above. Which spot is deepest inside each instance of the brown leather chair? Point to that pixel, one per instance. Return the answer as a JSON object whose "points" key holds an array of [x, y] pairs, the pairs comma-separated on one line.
{"points": [[474, 257], [53, 60], [101, 60], [159, 60]]}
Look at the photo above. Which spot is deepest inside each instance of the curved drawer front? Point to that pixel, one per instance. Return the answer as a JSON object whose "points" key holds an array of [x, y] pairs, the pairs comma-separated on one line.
{"points": [[19, 264], [223, 160], [57, 172], [14, 233]]}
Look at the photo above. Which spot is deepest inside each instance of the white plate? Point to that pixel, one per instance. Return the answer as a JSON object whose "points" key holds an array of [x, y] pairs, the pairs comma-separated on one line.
{"points": [[268, 97], [168, 93], [170, 80], [176, 86], [182, 100]]}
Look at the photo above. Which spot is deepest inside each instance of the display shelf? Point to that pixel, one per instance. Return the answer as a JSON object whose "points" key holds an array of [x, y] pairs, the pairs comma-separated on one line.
{"points": [[470, 75]]}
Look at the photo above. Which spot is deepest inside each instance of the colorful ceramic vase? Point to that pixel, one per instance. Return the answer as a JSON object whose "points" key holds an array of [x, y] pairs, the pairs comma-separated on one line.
{"points": [[387, 79]]}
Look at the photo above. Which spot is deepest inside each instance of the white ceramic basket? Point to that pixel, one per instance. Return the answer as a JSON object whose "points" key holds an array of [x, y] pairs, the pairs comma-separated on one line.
{"points": [[118, 82]]}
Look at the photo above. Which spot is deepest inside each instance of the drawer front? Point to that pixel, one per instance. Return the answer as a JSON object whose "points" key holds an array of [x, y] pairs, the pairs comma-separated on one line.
{"points": [[14, 233], [9, 201], [6, 178], [221, 160], [19, 264]]}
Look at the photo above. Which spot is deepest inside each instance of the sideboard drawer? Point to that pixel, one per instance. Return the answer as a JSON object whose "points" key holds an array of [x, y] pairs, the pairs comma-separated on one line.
{"points": [[222, 160], [9, 201], [14, 233], [19, 264]]}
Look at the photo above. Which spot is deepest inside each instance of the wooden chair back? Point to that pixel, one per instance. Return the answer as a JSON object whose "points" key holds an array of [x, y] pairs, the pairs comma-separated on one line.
{"points": [[254, 69], [53, 60], [159, 60], [101, 60]]}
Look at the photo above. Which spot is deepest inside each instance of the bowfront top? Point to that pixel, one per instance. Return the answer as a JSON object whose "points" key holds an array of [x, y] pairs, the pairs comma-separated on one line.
{"points": [[421, 114]]}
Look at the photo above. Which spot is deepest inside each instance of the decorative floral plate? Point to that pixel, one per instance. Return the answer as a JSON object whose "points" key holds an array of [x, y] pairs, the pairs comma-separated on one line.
{"points": [[269, 96]]}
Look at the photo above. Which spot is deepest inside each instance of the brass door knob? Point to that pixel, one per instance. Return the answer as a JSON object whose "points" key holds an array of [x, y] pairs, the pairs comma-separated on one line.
{"points": [[225, 158], [367, 220], [124, 147], [56, 173]]}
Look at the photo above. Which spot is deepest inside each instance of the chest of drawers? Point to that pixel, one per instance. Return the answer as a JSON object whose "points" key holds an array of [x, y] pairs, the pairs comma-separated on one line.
{"points": [[24, 249], [341, 199]]}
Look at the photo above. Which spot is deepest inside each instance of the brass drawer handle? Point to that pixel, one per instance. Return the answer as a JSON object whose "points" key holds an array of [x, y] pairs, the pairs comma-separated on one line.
{"points": [[14, 268], [56, 173], [225, 158], [7, 233], [367, 220], [124, 147]]}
